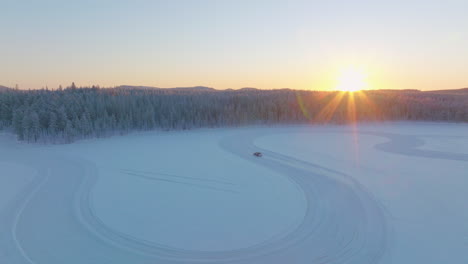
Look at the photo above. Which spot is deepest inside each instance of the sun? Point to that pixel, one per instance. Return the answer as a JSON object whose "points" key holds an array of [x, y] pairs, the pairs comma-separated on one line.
{"points": [[351, 80]]}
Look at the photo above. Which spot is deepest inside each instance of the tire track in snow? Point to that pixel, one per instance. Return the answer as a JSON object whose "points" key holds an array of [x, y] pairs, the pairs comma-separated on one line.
{"points": [[179, 176], [207, 184], [206, 187], [28, 198]]}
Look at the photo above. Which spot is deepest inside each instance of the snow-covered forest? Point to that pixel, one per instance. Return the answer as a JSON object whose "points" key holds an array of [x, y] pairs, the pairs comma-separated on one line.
{"points": [[65, 115]]}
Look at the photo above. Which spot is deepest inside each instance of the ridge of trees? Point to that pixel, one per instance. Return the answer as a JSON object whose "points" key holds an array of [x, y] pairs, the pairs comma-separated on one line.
{"points": [[66, 115]]}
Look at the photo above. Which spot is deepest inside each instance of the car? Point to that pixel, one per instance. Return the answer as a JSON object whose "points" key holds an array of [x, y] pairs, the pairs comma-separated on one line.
{"points": [[258, 154]]}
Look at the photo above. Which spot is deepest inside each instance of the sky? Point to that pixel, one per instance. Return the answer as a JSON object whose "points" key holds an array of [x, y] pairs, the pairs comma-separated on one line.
{"points": [[399, 44]]}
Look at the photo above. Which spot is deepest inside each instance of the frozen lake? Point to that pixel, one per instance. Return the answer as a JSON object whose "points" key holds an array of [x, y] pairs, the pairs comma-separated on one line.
{"points": [[386, 193]]}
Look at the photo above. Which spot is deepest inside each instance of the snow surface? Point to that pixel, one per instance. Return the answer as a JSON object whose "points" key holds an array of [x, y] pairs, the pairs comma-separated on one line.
{"points": [[386, 193]]}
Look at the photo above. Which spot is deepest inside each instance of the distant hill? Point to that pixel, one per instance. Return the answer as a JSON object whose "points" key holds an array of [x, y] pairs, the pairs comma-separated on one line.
{"points": [[395, 90], [197, 88], [135, 87], [4, 88], [450, 91]]}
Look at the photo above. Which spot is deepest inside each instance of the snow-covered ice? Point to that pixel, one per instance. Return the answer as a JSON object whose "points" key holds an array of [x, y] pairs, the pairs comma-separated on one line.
{"points": [[375, 193]]}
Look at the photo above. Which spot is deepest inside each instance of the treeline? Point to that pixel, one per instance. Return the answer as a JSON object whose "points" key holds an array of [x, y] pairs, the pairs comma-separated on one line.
{"points": [[65, 115]]}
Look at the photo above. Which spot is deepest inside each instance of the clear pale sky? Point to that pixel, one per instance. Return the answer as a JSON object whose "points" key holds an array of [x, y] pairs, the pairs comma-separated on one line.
{"points": [[401, 44]]}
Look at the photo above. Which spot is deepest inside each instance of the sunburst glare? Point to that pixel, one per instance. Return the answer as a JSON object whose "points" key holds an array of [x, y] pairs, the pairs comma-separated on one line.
{"points": [[351, 80]]}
